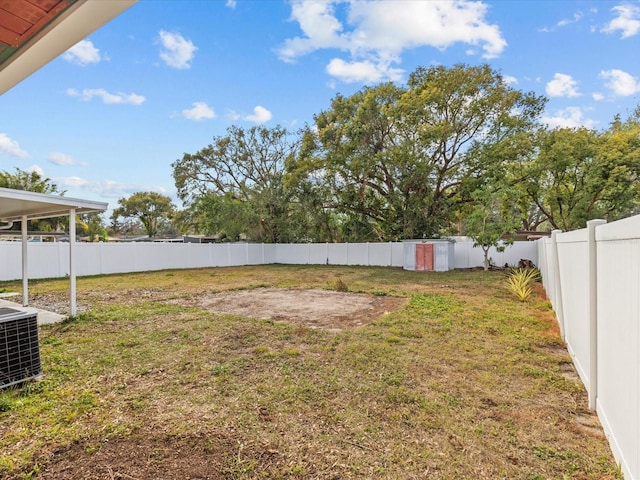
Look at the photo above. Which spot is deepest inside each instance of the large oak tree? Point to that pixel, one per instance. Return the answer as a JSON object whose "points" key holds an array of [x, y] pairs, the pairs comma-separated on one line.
{"points": [[151, 208], [234, 186], [402, 161]]}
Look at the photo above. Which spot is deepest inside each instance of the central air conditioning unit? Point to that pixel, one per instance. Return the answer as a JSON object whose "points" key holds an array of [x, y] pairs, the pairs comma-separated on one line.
{"points": [[19, 347]]}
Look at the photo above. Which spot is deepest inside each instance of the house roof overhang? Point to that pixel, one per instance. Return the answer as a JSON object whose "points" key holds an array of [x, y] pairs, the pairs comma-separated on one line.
{"points": [[34, 32], [17, 204]]}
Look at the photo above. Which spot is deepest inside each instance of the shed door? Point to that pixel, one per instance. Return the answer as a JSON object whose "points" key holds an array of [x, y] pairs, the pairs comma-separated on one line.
{"points": [[424, 257]]}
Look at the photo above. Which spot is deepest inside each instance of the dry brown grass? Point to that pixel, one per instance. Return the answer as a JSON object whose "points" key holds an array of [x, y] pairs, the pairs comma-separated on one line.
{"points": [[463, 381]]}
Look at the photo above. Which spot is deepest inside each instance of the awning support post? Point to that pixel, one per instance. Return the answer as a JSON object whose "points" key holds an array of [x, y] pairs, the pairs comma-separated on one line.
{"points": [[25, 263], [72, 265]]}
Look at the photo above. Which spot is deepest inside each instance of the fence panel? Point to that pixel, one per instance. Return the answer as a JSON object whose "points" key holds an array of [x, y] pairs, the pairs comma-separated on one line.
{"points": [[47, 260], [573, 257], [115, 258], [465, 255], [218, 255], [357, 253], [512, 254], [397, 255], [605, 350], [544, 264], [88, 259], [237, 253], [196, 255], [618, 402], [338, 253], [380, 254], [270, 253], [293, 253], [11, 258], [255, 253], [318, 254], [52, 259]]}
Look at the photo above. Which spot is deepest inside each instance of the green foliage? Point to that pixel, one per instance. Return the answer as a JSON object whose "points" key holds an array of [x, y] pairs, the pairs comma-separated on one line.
{"points": [[234, 187], [92, 225], [150, 208], [29, 181], [421, 160], [223, 215], [34, 182], [399, 162], [520, 282], [491, 218], [6, 403], [580, 174]]}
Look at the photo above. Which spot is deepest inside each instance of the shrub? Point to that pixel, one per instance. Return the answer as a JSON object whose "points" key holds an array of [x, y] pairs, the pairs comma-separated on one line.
{"points": [[340, 286], [520, 282]]}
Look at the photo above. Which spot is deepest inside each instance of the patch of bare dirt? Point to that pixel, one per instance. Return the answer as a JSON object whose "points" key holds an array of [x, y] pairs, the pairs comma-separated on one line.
{"points": [[324, 309], [147, 455]]}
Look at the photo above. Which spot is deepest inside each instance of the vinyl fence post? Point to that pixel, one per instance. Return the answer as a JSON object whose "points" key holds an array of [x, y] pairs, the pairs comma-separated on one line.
{"points": [[557, 284], [593, 310], [25, 262]]}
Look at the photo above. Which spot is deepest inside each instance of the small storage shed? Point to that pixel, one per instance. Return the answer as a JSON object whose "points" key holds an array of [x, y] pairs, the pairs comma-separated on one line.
{"points": [[431, 255]]}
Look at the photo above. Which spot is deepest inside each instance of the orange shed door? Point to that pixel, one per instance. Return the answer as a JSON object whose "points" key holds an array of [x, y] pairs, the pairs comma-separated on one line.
{"points": [[424, 257]]}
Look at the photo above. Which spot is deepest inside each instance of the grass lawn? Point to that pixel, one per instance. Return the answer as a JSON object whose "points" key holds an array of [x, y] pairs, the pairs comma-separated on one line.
{"points": [[461, 380]]}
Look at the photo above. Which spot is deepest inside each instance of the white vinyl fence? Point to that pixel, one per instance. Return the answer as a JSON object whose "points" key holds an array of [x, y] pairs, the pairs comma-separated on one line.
{"points": [[592, 277], [51, 260]]}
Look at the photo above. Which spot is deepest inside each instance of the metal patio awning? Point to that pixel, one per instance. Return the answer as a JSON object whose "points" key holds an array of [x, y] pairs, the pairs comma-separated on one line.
{"points": [[17, 204], [22, 206]]}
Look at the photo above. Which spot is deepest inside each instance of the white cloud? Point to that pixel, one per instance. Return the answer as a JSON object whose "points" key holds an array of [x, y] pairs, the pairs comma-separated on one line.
{"points": [[509, 79], [366, 71], [37, 169], [562, 85], [105, 188], [177, 52], [320, 27], [114, 189], [63, 159], [231, 4], [597, 96], [628, 20], [620, 82], [108, 98], [11, 147], [73, 182], [233, 116], [375, 33], [568, 21], [83, 53], [260, 115], [200, 111], [570, 117]]}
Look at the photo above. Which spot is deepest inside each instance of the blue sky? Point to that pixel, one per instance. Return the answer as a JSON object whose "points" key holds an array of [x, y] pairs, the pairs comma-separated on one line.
{"points": [[107, 118]]}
